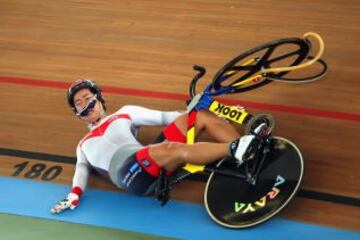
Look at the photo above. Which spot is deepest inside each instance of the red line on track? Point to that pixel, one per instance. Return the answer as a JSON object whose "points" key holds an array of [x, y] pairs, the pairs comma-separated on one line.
{"points": [[182, 97]]}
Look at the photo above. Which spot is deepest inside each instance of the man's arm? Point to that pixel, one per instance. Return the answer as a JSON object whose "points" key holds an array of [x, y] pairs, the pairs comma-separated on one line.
{"points": [[145, 116], [82, 170], [80, 179]]}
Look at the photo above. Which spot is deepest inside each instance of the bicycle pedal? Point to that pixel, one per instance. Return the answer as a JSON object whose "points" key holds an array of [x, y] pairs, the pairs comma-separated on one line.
{"points": [[258, 120]]}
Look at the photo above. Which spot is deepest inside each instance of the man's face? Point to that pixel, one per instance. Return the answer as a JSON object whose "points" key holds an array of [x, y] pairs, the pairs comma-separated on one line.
{"points": [[81, 100]]}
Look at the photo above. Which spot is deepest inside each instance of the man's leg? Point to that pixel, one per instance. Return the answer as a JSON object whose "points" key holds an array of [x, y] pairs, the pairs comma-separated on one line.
{"points": [[171, 155], [217, 128]]}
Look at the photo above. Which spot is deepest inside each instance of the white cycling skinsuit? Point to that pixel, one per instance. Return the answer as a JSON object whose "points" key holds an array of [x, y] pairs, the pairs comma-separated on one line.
{"points": [[115, 132]]}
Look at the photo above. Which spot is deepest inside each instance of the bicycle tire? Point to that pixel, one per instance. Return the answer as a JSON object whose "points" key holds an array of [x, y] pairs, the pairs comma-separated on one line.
{"points": [[230, 219], [304, 79], [303, 51]]}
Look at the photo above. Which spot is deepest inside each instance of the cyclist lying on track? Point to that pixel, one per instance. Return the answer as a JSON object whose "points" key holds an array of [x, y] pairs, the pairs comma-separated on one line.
{"points": [[111, 147]]}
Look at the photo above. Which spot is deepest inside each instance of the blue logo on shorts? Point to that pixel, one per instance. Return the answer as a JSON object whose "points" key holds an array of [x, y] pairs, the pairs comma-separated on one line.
{"points": [[133, 167]]}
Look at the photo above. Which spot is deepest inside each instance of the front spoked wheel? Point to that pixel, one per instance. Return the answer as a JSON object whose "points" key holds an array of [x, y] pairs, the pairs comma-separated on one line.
{"points": [[270, 61], [288, 51], [236, 203]]}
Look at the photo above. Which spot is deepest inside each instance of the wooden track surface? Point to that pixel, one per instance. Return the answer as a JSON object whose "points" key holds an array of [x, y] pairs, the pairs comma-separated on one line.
{"points": [[152, 45]]}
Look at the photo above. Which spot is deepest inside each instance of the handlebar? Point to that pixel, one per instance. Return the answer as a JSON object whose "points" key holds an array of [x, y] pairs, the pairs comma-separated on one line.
{"points": [[201, 71]]}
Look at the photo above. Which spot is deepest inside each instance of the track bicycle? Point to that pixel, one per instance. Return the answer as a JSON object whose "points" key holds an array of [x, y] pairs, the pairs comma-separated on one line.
{"points": [[245, 196]]}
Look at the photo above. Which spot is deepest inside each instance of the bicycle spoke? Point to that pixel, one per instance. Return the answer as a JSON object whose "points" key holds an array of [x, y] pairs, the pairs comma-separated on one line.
{"points": [[235, 70], [266, 56], [253, 69], [246, 75], [243, 68], [296, 52]]}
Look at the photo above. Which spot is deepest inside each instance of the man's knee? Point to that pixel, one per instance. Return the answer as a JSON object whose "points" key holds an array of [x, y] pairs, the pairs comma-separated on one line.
{"points": [[172, 155], [167, 152], [173, 148]]}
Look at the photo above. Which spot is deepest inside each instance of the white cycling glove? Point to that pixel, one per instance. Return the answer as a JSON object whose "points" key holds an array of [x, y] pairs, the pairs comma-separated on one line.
{"points": [[70, 202]]}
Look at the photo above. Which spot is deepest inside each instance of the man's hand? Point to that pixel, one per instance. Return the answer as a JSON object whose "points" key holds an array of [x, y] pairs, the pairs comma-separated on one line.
{"points": [[70, 202]]}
